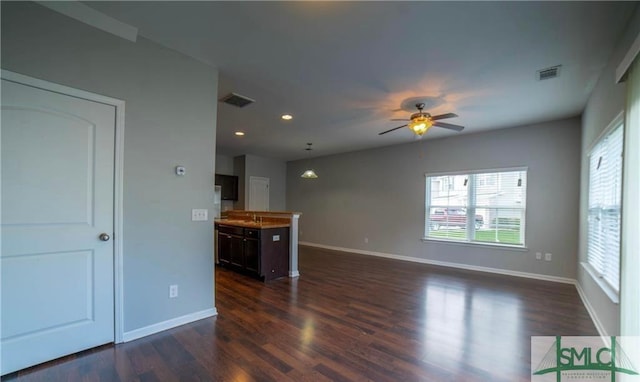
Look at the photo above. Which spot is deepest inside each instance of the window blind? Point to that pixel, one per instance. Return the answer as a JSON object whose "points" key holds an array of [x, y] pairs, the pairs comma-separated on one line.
{"points": [[605, 191]]}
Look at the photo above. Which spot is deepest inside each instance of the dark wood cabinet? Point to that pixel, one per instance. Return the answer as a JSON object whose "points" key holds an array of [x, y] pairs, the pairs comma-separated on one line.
{"points": [[236, 248], [252, 255], [230, 241], [274, 253], [262, 253], [224, 248], [229, 186]]}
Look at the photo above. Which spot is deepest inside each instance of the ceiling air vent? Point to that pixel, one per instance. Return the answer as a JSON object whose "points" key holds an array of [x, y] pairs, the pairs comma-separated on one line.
{"points": [[237, 100], [548, 73]]}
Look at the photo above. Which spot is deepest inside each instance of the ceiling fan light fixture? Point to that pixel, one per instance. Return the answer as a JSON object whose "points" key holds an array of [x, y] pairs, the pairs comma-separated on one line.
{"points": [[309, 174], [422, 121], [420, 125]]}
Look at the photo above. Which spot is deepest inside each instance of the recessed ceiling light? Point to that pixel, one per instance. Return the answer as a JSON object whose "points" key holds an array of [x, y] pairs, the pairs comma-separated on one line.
{"points": [[239, 133], [287, 117]]}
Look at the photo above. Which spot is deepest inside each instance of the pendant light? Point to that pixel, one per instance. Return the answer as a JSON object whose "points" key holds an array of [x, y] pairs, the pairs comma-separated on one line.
{"points": [[309, 174]]}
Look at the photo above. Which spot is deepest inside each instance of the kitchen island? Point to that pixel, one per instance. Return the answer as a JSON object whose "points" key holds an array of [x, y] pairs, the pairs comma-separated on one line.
{"points": [[258, 243]]}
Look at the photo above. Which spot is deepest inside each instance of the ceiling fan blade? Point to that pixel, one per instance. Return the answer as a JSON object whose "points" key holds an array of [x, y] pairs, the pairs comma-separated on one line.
{"points": [[400, 119], [443, 116], [395, 128], [449, 126]]}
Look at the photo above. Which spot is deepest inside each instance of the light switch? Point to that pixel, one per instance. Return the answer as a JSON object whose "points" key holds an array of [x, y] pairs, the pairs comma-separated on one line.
{"points": [[199, 215]]}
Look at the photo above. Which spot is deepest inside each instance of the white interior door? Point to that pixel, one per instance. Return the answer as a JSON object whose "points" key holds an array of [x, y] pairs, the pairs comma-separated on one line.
{"points": [[258, 193], [57, 199]]}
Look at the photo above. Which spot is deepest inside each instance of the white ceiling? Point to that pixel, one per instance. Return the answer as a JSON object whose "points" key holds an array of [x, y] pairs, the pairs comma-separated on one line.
{"points": [[343, 69]]}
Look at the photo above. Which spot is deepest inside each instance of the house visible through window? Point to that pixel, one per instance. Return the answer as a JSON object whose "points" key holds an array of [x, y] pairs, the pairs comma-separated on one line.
{"points": [[605, 192], [484, 207]]}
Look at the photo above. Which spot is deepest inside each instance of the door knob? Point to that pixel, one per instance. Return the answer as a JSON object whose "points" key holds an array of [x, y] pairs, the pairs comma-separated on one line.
{"points": [[104, 237]]}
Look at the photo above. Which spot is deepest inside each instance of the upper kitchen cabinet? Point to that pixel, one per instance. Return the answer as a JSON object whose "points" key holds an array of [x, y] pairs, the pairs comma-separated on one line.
{"points": [[229, 186]]}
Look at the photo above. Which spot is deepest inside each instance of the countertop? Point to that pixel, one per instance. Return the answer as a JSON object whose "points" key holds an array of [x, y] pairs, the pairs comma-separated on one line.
{"points": [[251, 224]]}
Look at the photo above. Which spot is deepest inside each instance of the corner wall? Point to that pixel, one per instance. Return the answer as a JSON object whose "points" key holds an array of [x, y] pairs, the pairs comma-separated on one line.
{"points": [[170, 119], [224, 166], [246, 166], [239, 165], [379, 194], [276, 171]]}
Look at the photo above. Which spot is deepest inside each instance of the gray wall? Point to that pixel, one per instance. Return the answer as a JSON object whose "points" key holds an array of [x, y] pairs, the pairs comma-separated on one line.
{"points": [[605, 102], [224, 165], [170, 119], [379, 194]]}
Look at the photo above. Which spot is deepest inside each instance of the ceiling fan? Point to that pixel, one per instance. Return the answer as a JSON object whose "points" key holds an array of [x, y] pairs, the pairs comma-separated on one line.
{"points": [[421, 121]]}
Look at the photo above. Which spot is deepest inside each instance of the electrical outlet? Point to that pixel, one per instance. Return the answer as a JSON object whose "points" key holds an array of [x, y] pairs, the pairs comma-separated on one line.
{"points": [[199, 215], [173, 291], [547, 256], [366, 240], [538, 255]]}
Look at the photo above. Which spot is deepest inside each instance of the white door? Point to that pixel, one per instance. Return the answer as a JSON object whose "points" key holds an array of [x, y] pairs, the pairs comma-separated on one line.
{"points": [[258, 193], [57, 199]]}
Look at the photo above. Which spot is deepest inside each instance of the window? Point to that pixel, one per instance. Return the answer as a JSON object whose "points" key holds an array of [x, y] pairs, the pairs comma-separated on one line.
{"points": [[605, 190], [486, 207]]}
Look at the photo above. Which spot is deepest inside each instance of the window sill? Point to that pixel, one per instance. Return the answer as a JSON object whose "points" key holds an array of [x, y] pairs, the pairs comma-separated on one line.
{"points": [[478, 244], [606, 288]]}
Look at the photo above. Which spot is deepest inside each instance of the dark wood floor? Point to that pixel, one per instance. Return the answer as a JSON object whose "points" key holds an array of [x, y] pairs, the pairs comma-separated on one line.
{"points": [[347, 318]]}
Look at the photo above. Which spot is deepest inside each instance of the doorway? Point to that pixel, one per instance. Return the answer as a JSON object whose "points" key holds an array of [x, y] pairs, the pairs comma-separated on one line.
{"points": [[258, 193], [61, 220]]}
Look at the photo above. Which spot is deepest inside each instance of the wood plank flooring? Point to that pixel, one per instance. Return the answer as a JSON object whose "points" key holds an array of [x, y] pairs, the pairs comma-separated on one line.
{"points": [[347, 318]]}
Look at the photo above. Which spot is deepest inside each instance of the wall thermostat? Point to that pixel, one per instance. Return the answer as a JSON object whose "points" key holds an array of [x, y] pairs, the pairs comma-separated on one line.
{"points": [[180, 170]]}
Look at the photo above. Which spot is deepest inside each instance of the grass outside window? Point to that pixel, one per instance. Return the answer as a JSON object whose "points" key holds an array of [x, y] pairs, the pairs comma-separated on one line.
{"points": [[498, 236]]}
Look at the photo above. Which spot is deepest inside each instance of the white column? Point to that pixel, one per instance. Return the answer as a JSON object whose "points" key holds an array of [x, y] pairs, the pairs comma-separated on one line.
{"points": [[293, 245]]}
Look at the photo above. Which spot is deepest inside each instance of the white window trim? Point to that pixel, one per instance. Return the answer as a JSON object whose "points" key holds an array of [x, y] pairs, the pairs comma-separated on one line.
{"points": [[477, 171], [617, 120], [478, 244], [608, 290], [427, 193]]}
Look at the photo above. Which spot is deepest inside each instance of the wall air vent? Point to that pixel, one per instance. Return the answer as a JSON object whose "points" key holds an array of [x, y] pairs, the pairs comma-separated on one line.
{"points": [[548, 73], [237, 100]]}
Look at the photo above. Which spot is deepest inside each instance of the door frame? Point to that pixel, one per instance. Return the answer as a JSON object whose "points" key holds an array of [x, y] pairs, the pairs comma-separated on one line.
{"points": [[119, 106]]}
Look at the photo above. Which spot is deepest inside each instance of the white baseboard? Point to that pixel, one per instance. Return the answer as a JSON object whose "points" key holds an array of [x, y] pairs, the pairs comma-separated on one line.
{"points": [[592, 313], [294, 274], [169, 324], [537, 276]]}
